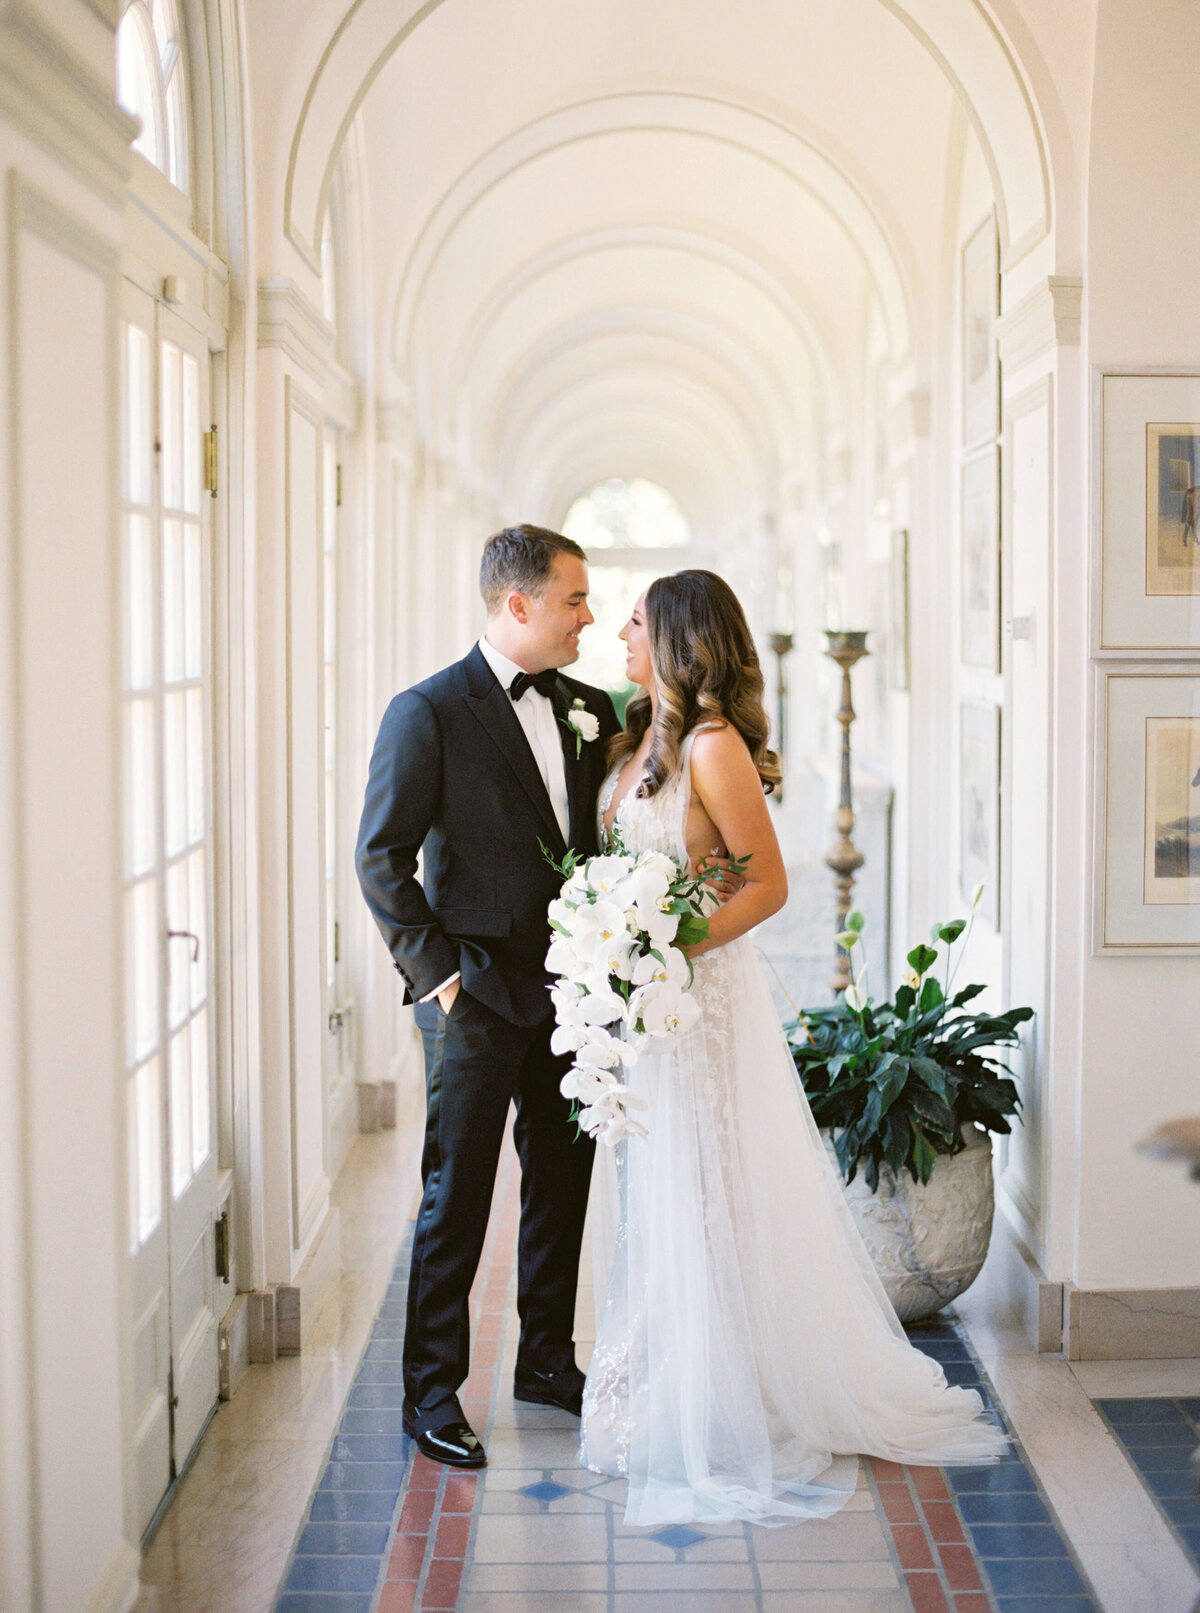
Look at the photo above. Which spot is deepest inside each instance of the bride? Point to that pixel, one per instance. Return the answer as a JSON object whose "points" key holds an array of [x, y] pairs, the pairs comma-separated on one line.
{"points": [[745, 1350]]}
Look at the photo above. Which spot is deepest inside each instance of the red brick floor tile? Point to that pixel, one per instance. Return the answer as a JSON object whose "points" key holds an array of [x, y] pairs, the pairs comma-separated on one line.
{"points": [[459, 1494], [927, 1593], [491, 1326], [898, 1504], [972, 1602], [408, 1553], [417, 1512], [425, 1475], [441, 1586], [912, 1546], [397, 1598], [451, 1537], [884, 1470], [929, 1483], [483, 1354], [962, 1571], [942, 1521]]}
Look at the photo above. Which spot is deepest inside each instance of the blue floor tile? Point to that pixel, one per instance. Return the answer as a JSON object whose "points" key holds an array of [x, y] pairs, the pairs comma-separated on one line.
{"points": [[385, 1423], [1191, 1408], [343, 1539], [1160, 1458], [1042, 1576], [390, 1373], [323, 1602], [363, 1476], [333, 1574], [944, 1349], [1189, 1533], [385, 1350], [1000, 1506], [1017, 1540], [1004, 1476], [375, 1396], [368, 1448], [1127, 1412], [353, 1506], [1178, 1433], [1170, 1482], [1046, 1604], [1183, 1510], [962, 1372]]}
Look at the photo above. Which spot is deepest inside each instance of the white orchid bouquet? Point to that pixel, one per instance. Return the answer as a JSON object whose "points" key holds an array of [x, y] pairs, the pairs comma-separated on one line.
{"points": [[621, 923]]}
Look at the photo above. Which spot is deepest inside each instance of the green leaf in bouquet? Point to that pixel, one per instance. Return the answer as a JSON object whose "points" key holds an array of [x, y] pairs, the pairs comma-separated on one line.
{"points": [[693, 928]]}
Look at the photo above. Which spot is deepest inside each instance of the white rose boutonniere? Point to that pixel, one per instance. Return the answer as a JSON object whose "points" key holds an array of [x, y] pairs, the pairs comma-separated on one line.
{"points": [[584, 724]]}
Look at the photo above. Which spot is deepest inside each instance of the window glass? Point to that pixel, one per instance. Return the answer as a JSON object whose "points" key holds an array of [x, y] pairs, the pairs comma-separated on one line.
{"points": [[152, 84]]}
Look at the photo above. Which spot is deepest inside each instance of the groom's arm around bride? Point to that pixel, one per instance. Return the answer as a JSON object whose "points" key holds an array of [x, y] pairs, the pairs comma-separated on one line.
{"points": [[471, 769]]}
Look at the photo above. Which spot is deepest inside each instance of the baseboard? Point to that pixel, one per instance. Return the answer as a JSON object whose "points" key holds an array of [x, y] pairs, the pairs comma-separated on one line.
{"points": [[233, 1347], [263, 1335], [1036, 1300], [118, 1591], [299, 1303], [1129, 1324]]}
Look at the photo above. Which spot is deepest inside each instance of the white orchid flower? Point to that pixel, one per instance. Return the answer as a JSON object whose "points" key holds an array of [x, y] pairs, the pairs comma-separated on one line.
{"points": [[605, 873], [562, 912], [562, 958], [596, 925], [614, 957], [616, 1130], [602, 1007], [671, 966], [659, 927], [585, 1086], [599, 1050], [663, 1009]]}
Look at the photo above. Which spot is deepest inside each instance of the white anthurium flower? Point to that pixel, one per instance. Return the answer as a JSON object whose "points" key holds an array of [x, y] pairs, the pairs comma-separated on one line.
{"points": [[855, 1001], [670, 966], [912, 979], [605, 873], [977, 894]]}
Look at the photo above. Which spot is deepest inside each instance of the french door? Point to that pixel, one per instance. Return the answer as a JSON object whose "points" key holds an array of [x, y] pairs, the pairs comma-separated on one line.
{"points": [[168, 870]]}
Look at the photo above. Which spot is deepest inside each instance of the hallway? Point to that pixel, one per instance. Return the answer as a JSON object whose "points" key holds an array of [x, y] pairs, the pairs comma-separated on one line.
{"points": [[883, 312], [335, 1513]]}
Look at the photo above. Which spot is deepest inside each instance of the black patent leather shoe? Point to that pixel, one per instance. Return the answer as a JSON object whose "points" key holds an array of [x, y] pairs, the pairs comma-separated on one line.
{"points": [[454, 1442], [563, 1388]]}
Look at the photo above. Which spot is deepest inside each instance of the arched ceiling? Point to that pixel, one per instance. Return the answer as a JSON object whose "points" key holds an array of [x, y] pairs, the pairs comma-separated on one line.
{"points": [[613, 237]]}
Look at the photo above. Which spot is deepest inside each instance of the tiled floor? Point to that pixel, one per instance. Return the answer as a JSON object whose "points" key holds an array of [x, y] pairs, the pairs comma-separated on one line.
{"points": [[389, 1532], [1159, 1437]]}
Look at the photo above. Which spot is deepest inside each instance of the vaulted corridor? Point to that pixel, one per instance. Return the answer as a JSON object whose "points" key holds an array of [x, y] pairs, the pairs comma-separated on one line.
{"points": [[883, 311]]}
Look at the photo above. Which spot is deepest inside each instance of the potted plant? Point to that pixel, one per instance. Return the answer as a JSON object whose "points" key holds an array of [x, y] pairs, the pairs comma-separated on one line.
{"points": [[908, 1092]]}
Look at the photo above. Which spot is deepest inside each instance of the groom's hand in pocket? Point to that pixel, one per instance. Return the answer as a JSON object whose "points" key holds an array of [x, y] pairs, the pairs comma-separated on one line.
{"points": [[446, 997]]}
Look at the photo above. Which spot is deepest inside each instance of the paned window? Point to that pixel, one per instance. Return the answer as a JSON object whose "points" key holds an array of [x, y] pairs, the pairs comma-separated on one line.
{"points": [[152, 83]]}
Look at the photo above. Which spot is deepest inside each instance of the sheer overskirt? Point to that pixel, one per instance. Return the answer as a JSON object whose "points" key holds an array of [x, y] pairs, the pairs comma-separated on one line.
{"points": [[746, 1350]]}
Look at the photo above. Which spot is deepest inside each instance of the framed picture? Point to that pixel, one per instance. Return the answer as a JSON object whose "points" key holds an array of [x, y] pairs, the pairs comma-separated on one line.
{"points": [[979, 818], [879, 584], [981, 303], [1149, 513], [981, 560], [898, 615], [1149, 837]]}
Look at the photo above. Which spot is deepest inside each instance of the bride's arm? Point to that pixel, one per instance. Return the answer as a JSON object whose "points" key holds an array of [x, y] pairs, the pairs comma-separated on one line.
{"points": [[731, 792]]}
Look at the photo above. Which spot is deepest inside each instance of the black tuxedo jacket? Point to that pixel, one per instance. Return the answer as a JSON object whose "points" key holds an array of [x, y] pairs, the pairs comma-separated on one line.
{"points": [[452, 775]]}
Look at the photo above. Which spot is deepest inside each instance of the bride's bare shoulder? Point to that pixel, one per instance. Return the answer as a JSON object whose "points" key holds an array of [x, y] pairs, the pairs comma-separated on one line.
{"points": [[718, 749]]}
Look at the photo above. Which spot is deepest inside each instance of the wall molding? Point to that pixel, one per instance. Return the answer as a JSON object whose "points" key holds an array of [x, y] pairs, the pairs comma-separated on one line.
{"points": [[1049, 316], [1116, 1324], [288, 320], [51, 96]]}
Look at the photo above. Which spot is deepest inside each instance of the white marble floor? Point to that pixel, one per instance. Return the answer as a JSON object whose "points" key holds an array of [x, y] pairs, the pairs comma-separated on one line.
{"points": [[224, 1542], [1125, 1546]]}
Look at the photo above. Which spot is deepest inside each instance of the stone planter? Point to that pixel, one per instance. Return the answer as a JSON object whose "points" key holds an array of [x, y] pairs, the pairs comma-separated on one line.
{"points": [[927, 1242]]}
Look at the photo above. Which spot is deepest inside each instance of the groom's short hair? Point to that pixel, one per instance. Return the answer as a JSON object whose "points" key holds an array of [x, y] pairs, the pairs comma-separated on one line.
{"points": [[520, 557]]}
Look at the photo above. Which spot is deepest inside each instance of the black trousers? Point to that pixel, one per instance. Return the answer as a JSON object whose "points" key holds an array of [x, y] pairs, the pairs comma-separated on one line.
{"points": [[476, 1064]]}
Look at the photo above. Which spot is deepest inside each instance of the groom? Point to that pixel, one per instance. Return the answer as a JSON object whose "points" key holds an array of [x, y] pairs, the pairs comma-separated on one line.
{"points": [[473, 768]]}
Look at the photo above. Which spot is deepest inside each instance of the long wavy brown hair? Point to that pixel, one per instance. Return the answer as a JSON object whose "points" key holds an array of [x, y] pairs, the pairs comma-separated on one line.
{"points": [[706, 669]]}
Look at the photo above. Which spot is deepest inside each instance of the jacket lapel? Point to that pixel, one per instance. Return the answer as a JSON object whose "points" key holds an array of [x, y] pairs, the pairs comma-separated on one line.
{"points": [[493, 709], [577, 771]]}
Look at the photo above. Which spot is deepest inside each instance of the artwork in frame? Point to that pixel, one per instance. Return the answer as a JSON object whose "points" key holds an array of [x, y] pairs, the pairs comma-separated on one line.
{"points": [[1149, 845], [981, 560], [1149, 513], [979, 819], [898, 619], [980, 307]]}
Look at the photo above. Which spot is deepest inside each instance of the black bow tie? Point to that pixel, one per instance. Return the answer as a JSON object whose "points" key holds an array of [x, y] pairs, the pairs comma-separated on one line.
{"points": [[543, 682]]}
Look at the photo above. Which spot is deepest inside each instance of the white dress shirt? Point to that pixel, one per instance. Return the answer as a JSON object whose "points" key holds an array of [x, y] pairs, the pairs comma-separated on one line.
{"points": [[536, 715]]}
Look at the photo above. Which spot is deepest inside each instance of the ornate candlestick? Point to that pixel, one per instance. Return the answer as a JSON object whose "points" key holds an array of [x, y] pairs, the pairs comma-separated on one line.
{"points": [[781, 643], [845, 859]]}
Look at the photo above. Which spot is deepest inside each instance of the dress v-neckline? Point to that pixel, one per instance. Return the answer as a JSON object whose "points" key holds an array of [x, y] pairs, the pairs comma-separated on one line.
{"points": [[616, 804]]}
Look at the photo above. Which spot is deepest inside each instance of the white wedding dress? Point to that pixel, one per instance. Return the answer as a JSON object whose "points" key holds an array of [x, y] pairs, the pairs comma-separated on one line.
{"points": [[745, 1350]]}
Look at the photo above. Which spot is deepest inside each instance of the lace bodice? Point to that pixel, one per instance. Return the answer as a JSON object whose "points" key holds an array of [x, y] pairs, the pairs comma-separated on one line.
{"points": [[651, 823]]}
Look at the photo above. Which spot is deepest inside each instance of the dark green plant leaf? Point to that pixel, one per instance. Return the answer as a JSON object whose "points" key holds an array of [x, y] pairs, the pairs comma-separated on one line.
{"points": [[931, 995], [949, 933], [921, 959]]}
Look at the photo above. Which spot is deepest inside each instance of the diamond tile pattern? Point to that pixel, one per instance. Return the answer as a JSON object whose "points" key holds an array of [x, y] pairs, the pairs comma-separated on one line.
{"points": [[678, 1537]]}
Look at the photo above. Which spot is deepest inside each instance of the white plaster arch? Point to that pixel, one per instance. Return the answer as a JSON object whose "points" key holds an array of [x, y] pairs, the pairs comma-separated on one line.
{"points": [[962, 36], [813, 334], [753, 135]]}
